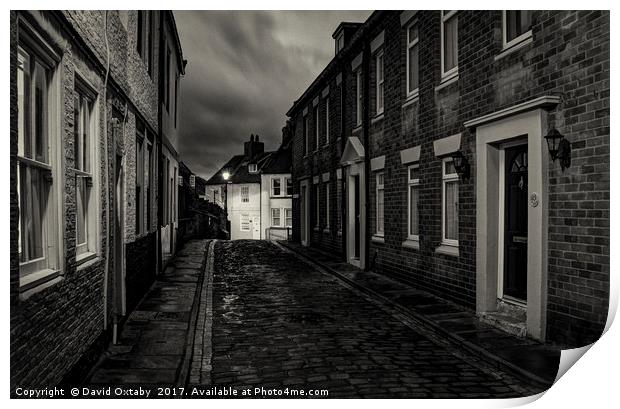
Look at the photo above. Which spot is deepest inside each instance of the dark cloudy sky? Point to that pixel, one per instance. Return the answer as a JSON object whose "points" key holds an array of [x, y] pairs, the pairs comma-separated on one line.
{"points": [[245, 69]]}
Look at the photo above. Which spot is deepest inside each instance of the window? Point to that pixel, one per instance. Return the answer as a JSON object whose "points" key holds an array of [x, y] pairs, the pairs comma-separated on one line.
{"points": [[413, 199], [316, 127], [276, 189], [275, 217], [244, 224], [380, 78], [449, 43], [288, 217], [83, 146], [413, 67], [176, 98], [36, 166], [517, 26], [358, 102], [326, 121], [450, 204], [289, 186], [317, 205], [380, 193], [339, 42], [245, 194], [149, 182], [252, 168], [144, 43], [305, 145], [327, 205], [167, 80], [139, 175]]}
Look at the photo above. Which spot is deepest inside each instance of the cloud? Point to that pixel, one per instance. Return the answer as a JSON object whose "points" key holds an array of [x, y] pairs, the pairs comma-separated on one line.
{"points": [[245, 69]]}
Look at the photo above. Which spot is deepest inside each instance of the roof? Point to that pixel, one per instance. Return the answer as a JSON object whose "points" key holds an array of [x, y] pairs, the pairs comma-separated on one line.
{"points": [[175, 32], [280, 161], [237, 166]]}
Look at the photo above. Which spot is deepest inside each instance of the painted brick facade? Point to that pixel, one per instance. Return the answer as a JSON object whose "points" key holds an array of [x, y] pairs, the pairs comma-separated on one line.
{"points": [[59, 325], [568, 57]]}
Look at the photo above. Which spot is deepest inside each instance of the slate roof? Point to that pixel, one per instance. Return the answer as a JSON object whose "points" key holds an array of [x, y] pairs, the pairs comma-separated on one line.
{"points": [[281, 161], [238, 168]]}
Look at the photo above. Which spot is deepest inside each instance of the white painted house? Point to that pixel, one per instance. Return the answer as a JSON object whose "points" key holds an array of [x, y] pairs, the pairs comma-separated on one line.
{"points": [[256, 189]]}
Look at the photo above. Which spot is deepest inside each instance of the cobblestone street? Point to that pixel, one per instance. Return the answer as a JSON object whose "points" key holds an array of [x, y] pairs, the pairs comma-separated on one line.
{"points": [[276, 322]]}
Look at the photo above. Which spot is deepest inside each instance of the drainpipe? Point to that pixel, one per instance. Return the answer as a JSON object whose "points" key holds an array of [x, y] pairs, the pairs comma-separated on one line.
{"points": [[343, 183], [160, 153], [366, 136], [107, 172]]}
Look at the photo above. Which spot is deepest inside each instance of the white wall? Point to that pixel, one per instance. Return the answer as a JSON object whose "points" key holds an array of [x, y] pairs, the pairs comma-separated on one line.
{"points": [[237, 208], [268, 202]]}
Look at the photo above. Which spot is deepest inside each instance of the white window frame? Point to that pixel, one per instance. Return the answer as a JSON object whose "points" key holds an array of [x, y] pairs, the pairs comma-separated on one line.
{"points": [[50, 264], [379, 187], [517, 40], [244, 191], [446, 178], [327, 187], [89, 248], [317, 190], [288, 181], [247, 223], [252, 168], [288, 212], [410, 44], [273, 187], [326, 121], [358, 96], [339, 42], [454, 70], [317, 124], [273, 217], [139, 181], [379, 83], [306, 131], [415, 183]]}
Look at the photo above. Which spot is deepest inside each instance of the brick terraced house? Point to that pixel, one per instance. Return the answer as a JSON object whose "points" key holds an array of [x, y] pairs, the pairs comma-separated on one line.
{"points": [[87, 143], [466, 153]]}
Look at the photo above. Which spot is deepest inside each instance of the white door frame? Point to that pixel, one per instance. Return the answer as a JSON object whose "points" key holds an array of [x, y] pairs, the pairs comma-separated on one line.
{"points": [[304, 213], [489, 137], [352, 170]]}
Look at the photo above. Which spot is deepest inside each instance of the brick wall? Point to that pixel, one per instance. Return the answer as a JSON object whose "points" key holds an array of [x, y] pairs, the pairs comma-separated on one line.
{"points": [[568, 57]]}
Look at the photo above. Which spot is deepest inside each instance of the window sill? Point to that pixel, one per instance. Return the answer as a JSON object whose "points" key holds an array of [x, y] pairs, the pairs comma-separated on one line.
{"points": [[35, 282], [446, 81], [326, 230], [411, 244], [507, 50], [448, 250], [377, 239], [377, 118], [339, 233], [317, 228], [85, 258], [357, 128], [411, 99]]}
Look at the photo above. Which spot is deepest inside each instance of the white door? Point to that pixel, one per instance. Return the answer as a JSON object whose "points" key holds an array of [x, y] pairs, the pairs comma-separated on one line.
{"points": [[255, 228]]}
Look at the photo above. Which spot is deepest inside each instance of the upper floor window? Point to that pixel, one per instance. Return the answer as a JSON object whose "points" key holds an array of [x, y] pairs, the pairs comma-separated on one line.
{"points": [[327, 204], [289, 186], [413, 67], [339, 42], [140, 136], [36, 164], [317, 124], [83, 145], [380, 188], [449, 43], [326, 121], [252, 168], [450, 204], [245, 194], [317, 205], [144, 41], [358, 98], [306, 136], [276, 188], [413, 199], [517, 26], [167, 75], [380, 79]]}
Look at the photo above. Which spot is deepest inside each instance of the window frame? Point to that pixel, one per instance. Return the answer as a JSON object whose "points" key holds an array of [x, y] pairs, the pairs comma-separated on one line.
{"points": [[379, 82], [452, 72], [51, 263], [139, 180], [286, 212], [445, 179], [317, 203], [273, 181], [327, 121], [410, 45], [245, 188], [252, 168], [358, 97], [288, 186], [273, 217], [327, 192], [306, 131], [379, 187], [518, 39], [412, 183], [90, 247], [241, 217], [317, 124]]}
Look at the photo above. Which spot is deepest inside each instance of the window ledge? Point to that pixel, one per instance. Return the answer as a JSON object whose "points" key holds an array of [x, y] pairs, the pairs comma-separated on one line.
{"points": [[411, 244], [357, 128], [326, 230], [83, 259], [339, 233], [411, 99], [35, 282], [514, 47], [448, 250], [448, 80], [316, 228], [377, 239], [377, 118]]}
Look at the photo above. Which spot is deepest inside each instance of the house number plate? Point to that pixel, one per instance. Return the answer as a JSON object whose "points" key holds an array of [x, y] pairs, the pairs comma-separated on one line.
{"points": [[534, 200]]}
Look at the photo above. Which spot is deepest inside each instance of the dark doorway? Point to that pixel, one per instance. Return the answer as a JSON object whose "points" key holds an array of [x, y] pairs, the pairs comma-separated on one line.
{"points": [[356, 214], [515, 215]]}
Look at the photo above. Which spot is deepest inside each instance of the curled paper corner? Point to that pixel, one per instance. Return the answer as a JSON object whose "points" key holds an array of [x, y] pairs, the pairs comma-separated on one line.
{"points": [[568, 357]]}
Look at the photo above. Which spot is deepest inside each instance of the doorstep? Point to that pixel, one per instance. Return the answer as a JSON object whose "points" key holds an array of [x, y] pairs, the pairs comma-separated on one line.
{"points": [[522, 356]]}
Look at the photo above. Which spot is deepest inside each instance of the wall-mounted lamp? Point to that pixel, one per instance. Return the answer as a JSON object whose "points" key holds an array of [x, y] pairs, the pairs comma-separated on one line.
{"points": [[461, 165], [226, 174], [559, 147]]}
